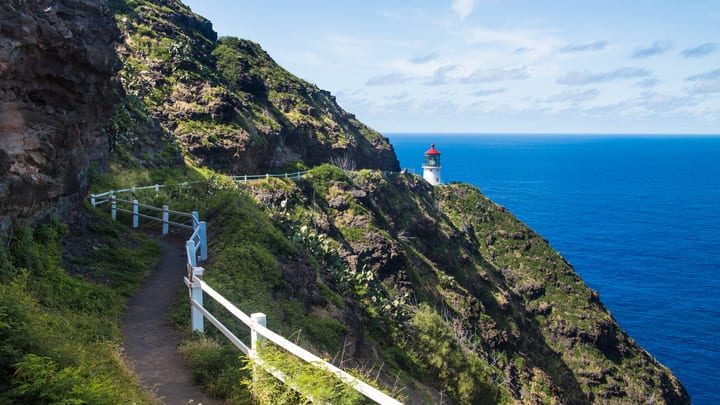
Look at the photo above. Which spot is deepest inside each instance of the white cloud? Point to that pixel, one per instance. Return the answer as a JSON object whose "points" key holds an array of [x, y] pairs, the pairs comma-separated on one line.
{"points": [[700, 50], [647, 83], [654, 102], [387, 80], [488, 92], [496, 75], [705, 83], [517, 41], [593, 46], [463, 8], [711, 75], [442, 75], [657, 48], [706, 87], [574, 97], [425, 58], [523, 50], [579, 78]]}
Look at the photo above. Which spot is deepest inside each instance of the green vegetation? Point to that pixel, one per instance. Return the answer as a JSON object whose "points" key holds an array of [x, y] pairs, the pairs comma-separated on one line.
{"points": [[310, 383], [59, 331], [129, 117], [434, 288], [218, 367], [437, 353], [248, 263], [321, 176], [407, 341]]}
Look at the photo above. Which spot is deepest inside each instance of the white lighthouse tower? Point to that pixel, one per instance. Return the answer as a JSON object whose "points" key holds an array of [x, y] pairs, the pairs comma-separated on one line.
{"points": [[431, 167]]}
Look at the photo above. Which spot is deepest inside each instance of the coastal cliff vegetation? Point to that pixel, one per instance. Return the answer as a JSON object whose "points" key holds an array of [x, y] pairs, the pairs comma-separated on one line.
{"points": [[433, 293]]}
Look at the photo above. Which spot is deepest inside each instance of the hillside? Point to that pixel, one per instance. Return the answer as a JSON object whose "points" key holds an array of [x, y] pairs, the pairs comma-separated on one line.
{"points": [[226, 103], [435, 291], [457, 292]]}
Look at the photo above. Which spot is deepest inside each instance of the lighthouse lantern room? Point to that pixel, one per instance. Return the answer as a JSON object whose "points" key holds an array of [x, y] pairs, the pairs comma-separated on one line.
{"points": [[431, 166]]}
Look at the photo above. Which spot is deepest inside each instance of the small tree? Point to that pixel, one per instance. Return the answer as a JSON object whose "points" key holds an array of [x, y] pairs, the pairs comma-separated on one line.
{"points": [[343, 161]]}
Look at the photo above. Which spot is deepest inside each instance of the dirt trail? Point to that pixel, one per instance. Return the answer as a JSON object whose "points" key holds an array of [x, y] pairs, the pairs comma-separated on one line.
{"points": [[150, 340]]}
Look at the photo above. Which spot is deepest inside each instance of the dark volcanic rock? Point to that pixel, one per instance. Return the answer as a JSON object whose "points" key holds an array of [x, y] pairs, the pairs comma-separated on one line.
{"points": [[57, 60]]}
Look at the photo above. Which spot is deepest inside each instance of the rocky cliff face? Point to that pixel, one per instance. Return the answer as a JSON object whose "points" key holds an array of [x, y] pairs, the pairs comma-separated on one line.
{"points": [[57, 61], [228, 104]]}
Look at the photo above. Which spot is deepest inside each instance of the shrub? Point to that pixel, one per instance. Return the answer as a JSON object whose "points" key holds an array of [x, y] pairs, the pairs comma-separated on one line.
{"points": [[293, 167], [322, 175], [217, 367], [462, 373]]}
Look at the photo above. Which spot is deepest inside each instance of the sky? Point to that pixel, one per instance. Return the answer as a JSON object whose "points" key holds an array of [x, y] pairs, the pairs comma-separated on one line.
{"points": [[498, 66]]}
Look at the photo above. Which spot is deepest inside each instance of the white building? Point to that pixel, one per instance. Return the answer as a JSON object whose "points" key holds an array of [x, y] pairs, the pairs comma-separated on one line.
{"points": [[431, 167]]}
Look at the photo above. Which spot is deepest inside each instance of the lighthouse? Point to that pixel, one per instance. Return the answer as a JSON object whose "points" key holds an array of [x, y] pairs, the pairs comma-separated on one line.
{"points": [[431, 167]]}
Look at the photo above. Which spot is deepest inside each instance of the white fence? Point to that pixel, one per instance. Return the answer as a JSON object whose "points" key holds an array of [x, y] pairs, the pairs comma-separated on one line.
{"points": [[244, 178], [196, 250]]}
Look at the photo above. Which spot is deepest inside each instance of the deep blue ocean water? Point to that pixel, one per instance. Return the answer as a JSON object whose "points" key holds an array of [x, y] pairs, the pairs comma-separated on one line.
{"points": [[638, 218]]}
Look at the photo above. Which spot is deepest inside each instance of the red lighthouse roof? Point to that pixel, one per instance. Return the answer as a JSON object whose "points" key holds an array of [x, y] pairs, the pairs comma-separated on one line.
{"points": [[432, 150]]}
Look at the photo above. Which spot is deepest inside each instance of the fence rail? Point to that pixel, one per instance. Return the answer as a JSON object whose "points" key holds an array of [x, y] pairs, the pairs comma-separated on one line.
{"points": [[196, 250], [239, 178], [244, 178]]}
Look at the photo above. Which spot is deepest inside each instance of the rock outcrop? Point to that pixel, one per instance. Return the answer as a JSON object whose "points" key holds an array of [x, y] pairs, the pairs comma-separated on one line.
{"points": [[57, 62]]}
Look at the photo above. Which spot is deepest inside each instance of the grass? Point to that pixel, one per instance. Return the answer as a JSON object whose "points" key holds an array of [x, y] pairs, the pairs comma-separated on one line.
{"points": [[311, 384], [59, 332], [218, 367]]}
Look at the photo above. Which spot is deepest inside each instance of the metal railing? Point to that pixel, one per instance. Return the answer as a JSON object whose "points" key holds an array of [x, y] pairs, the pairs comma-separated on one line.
{"points": [[196, 250]]}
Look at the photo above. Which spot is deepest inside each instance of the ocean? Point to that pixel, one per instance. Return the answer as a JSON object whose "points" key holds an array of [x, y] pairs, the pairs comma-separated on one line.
{"points": [[637, 216]]}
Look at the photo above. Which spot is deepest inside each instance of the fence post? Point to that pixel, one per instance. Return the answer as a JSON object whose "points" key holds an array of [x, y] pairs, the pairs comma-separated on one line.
{"points": [[157, 187], [203, 241], [113, 205], [196, 294], [245, 181], [255, 338], [165, 219], [196, 222], [92, 199], [136, 218], [298, 175], [190, 248]]}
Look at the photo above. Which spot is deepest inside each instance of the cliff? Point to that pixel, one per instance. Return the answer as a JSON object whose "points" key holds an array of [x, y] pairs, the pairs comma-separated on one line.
{"points": [[446, 279], [57, 63], [443, 292]]}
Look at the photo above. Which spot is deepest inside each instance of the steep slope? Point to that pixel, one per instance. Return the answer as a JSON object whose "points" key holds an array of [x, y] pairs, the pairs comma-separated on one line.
{"points": [[444, 270], [227, 103]]}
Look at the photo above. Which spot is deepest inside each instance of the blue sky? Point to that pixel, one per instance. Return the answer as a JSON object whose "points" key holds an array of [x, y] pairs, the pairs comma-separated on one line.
{"points": [[498, 66]]}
